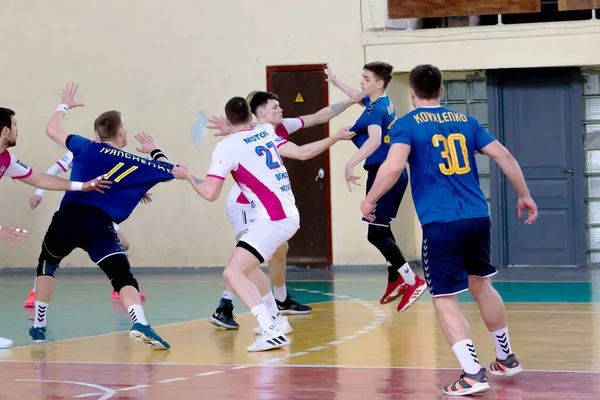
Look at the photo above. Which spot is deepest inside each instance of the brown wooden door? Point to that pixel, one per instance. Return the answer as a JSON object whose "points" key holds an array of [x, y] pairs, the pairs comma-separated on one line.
{"points": [[302, 90]]}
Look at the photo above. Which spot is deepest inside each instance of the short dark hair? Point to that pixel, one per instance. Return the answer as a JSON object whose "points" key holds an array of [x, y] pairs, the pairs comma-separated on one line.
{"points": [[6, 115], [237, 111], [107, 124], [381, 70], [258, 99], [426, 81]]}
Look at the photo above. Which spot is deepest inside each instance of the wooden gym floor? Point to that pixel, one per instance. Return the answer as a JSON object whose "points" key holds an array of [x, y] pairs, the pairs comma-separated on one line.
{"points": [[350, 347]]}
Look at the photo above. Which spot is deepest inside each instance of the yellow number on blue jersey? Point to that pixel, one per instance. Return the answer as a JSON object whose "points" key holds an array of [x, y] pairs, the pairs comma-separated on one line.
{"points": [[450, 153]]}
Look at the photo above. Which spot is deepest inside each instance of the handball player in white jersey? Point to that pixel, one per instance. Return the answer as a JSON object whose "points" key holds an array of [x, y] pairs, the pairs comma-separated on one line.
{"points": [[265, 106], [253, 157]]}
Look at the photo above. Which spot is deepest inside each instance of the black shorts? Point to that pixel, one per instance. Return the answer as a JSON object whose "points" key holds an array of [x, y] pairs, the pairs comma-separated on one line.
{"points": [[454, 250], [387, 206], [81, 226]]}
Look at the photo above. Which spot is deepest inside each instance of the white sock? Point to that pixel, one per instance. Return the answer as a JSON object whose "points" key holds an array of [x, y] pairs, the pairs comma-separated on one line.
{"points": [[136, 312], [407, 274], [269, 302], [502, 343], [467, 357], [228, 295], [263, 317], [280, 293], [34, 281], [41, 311]]}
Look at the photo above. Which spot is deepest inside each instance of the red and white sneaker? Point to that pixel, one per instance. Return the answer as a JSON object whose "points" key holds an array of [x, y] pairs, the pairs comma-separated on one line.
{"points": [[30, 302], [394, 290], [116, 296], [412, 293]]}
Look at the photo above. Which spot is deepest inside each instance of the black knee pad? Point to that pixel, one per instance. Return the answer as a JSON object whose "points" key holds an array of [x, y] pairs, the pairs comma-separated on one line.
{"points": [[379, 235], [47, 263], [117, 269]]}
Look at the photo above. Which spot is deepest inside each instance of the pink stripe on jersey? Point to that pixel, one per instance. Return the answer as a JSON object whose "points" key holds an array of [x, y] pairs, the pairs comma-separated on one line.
{"points": [[281, 143], [27, 175], [242, 199], [215, 176], [61, 166], [282, 132], [301, 120], [264, 194], [4, 162]]}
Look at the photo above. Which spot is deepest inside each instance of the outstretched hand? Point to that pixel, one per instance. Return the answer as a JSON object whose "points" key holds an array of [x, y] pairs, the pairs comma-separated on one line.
{"points": [[68, 96], [12, 235], [96, 184], [221, 124], [148, 143]]}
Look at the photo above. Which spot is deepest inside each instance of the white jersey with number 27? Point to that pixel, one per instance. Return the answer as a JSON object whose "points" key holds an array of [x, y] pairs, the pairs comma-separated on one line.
{"points": [[256, 166]]}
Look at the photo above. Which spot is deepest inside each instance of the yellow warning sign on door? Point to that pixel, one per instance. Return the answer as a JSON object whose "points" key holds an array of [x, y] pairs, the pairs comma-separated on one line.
{"points": [[299, 98]]}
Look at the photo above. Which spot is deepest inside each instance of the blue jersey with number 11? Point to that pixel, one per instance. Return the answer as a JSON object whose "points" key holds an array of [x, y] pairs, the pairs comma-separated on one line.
{"points": [[131, 175], [443, 173]]}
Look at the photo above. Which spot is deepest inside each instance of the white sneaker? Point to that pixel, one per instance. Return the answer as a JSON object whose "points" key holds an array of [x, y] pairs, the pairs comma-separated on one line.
{"points": [[269, 340], [280, 323], [5, 343]]}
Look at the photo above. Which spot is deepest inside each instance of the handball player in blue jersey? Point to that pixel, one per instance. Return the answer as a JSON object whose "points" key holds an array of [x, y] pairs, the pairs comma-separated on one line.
{"points": [[85, 220], [373, 144], [440, 145]]}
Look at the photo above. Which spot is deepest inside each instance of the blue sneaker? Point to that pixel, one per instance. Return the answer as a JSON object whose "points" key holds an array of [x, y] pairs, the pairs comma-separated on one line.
{"points": [[145, 333], [38, 334]]}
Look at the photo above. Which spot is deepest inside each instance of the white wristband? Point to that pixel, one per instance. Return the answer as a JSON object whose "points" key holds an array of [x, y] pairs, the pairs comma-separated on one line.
{"points": [[39, 192], [76, 186], [63, 108]]}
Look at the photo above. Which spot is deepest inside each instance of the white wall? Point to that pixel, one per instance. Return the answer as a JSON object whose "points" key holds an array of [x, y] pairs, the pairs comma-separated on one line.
{"points": [[159, 65]]}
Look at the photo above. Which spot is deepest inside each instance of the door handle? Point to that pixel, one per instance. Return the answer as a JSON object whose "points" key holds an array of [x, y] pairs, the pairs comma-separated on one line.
{"points": [[320, 174], [569, 171]]}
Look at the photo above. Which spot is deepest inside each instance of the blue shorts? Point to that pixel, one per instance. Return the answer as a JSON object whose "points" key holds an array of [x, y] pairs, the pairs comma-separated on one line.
{"points": [[81, 226], [454, 250], [387, 206]]}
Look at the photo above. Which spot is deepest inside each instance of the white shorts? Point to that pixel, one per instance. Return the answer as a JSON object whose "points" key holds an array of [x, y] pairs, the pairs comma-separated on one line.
{"points": [[241, 216], [265, 236]]}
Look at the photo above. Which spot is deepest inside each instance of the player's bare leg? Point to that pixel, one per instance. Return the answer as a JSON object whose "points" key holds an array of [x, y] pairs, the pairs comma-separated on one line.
{"points": [[241, 264], [277, 269], [223, 316], [493, 313], [458, 334], [260, 280]]}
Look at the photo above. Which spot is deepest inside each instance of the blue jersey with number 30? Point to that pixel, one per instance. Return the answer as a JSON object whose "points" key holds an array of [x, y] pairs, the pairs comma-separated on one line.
{"points": [[131, 175], [443, 173]]}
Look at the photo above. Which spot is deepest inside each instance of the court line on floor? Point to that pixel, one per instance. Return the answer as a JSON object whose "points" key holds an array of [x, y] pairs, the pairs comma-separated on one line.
{"points": [[108, 393], [379, 318], [245, 366]]}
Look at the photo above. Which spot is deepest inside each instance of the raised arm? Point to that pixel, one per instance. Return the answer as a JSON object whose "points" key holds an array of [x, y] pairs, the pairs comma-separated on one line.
{"points": [[349, 90], [310, 150], [54, 127], [328, 113], [149, 145]]}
